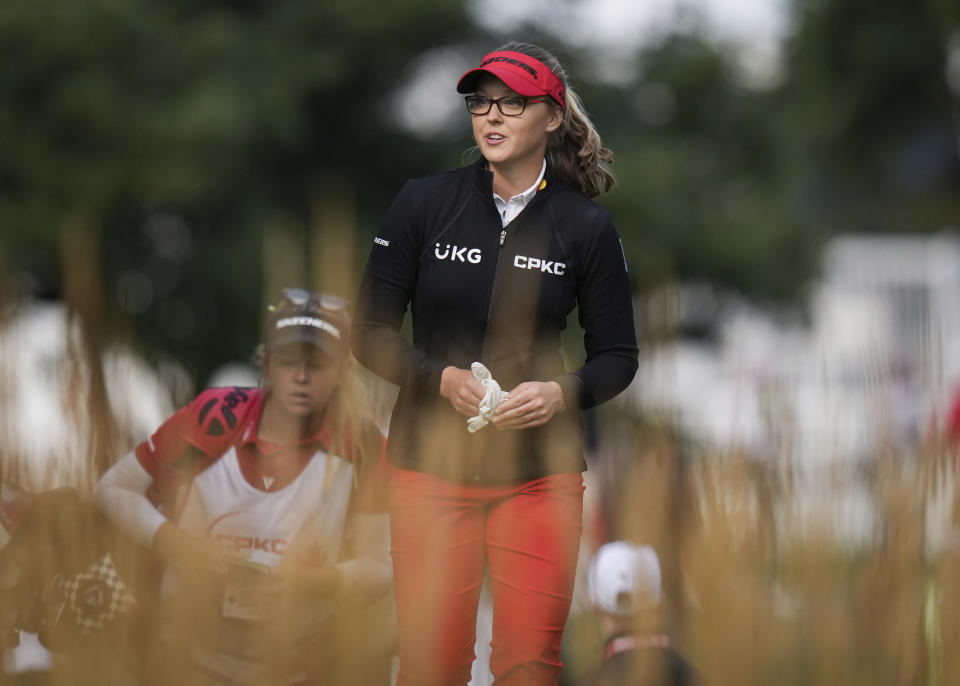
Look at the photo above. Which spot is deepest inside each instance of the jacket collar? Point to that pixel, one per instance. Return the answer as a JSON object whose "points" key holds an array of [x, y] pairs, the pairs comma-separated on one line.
{"points": [[483, 178]]}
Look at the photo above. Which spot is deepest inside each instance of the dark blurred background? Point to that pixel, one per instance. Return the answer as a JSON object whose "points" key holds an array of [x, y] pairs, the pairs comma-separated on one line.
{"points": [[156, 156]]}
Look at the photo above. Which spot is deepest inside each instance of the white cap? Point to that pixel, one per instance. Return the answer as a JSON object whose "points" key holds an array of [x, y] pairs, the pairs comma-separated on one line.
{"points": [[624, 578]]}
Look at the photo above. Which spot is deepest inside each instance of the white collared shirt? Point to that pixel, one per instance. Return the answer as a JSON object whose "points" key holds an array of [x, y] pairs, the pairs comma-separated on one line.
{"points": [[509, 209]]}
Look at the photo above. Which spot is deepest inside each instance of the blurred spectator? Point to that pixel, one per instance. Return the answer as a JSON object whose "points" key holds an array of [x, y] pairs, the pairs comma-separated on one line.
{"points": [[264, 503], [624, 587]]}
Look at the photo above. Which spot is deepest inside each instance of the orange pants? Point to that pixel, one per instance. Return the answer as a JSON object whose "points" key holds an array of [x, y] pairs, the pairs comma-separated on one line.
{"points": [[443, 535]]}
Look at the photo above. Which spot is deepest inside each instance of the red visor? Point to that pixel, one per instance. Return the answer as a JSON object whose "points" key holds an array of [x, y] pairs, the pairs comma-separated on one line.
{"points": [[522, 73]]}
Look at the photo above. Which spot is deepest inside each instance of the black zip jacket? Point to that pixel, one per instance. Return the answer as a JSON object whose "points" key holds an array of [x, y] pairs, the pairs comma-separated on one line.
{"points": [[480, 292]]}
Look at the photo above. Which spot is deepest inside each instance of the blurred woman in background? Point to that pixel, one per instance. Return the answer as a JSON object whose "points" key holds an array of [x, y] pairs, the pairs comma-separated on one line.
{"points": [[491, 259], [264, 503]]}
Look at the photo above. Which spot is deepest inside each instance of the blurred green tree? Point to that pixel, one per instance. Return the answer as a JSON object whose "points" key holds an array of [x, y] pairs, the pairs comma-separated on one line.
{"points": [[868, 115], [703, 176], [740, 186], [147, 146]]}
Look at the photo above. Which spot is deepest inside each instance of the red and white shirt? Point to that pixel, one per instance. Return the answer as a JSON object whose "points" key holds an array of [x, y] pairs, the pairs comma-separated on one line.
{"points": [[207, 470], [217, 479]]}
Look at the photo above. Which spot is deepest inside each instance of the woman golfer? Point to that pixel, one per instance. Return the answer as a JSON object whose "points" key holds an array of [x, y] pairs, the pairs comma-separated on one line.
{"points": [[491, 259]]}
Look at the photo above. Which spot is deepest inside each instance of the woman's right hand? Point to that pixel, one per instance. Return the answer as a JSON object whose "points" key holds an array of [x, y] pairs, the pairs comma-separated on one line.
{"points": [[462, 389]]}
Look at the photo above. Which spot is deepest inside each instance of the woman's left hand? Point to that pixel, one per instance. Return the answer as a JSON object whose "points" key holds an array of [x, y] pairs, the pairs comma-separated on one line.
{"points": [[532, 403]]}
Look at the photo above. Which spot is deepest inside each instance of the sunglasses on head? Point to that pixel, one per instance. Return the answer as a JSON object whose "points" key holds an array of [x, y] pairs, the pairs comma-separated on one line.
{"points": [[302, 300]]}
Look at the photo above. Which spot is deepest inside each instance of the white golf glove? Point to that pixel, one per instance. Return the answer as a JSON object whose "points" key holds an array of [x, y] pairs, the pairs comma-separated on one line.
{"points": [[492, 397]]}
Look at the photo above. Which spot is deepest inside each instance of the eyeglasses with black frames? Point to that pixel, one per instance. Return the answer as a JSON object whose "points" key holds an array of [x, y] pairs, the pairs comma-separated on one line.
{"points": [[509, 105]]}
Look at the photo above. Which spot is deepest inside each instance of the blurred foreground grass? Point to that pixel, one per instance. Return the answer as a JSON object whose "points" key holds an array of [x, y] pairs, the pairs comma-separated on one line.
{"points": [[774, 573]]}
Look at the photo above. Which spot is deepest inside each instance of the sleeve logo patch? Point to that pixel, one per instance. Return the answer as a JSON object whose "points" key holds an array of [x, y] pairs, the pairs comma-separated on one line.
{"points": [[381, 241], [228, 404]]}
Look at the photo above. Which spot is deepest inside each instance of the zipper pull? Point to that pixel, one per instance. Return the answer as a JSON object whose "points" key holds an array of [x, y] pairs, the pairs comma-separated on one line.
{"points": [[503, 236]]}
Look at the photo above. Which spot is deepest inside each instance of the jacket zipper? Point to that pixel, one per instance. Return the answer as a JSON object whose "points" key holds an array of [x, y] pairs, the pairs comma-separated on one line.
{"points": [[486, 322], [493, 292]]}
